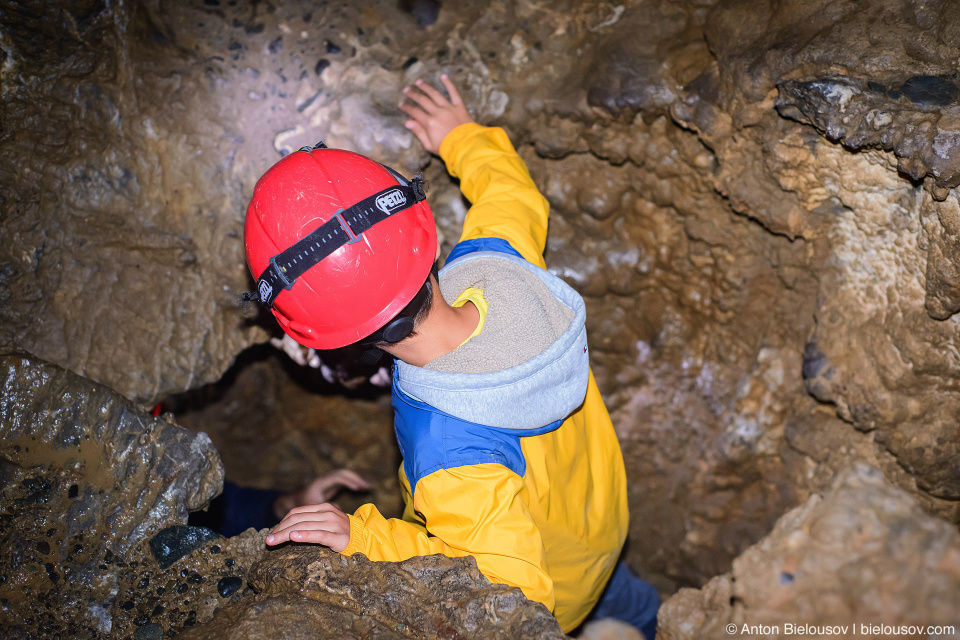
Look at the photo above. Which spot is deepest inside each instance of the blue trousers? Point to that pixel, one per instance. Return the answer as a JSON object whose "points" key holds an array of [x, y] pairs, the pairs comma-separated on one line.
{"points": [[629, 599], [237, 509]]}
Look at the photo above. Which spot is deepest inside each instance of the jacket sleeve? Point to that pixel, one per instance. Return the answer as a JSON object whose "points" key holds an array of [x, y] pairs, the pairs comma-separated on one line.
{"points": [[472, 510], [506, 202]]}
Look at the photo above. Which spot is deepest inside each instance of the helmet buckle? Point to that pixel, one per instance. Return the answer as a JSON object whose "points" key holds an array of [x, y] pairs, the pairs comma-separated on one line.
{"points": [[354, 238], [418, 191]]}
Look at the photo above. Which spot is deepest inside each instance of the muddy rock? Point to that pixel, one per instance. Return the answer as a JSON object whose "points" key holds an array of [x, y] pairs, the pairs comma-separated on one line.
{"points": [[156, 596], [293, 617], [327, 593], [85, 483], [862, 553]]}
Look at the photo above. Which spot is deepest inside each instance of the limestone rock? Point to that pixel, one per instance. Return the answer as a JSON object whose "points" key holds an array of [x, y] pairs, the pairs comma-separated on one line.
{"points": [[915, 119], [85, 482], [121, 256], [920, 123], [862, 553], [879, 247], [312, 592]]}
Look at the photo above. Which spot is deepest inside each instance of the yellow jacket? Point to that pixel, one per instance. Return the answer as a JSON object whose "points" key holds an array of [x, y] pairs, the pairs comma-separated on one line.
{"points": [[557, 531]]}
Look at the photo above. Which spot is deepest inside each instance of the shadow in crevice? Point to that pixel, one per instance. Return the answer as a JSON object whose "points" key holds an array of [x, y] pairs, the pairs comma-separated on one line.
{"points": [[351, 378]]}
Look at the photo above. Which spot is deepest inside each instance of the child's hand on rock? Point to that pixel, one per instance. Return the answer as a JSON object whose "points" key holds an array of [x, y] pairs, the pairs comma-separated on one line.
{"points": [[318, 524], [433, 116]]}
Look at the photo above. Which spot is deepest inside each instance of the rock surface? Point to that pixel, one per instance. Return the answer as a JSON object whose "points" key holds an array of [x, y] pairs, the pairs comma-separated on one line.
{"points": [[863, 553], [312, 592], [93, 503], [875, 77], [85, 483], [122, 254]]}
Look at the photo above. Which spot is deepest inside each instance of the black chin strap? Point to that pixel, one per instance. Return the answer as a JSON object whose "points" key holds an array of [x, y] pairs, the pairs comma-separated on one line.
{"points": [[345, 227]]}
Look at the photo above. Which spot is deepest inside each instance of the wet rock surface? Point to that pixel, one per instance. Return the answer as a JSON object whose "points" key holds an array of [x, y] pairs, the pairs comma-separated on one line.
{"points": [[85, 483], [862, 553], [172, 543], [756, 199], [311, 592]]}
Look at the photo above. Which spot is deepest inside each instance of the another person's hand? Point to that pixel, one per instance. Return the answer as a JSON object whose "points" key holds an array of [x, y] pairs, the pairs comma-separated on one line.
{"points": [[318, 524], [433, 116], [322, 489], [325, 487]]}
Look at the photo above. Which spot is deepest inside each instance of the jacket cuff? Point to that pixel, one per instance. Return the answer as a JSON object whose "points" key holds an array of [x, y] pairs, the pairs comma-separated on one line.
{"points": [[356, 544], [452, 146]]}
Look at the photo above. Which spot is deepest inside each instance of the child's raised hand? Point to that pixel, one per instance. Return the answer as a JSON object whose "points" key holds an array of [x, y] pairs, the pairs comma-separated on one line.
{"points": [[317, 523], [433, 116]]}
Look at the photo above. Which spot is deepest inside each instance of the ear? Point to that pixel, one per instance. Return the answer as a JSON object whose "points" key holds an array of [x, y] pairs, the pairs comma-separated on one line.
{"points": [[437, 257]]}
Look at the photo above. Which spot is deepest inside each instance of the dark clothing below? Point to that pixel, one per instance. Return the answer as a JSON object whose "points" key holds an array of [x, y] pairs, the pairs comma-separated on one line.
{"points": [[238, 509], [629, 599]]}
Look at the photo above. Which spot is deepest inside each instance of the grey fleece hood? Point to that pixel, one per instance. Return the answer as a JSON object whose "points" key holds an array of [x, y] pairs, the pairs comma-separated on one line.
{"points": [[531, 356]]}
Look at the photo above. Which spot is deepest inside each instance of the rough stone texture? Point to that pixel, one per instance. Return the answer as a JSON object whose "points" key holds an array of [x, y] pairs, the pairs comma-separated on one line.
{"points": [[85, 482], [764, 303], [875, 77], [123, 199], [916, 120], [862, 553], [330, 595]]}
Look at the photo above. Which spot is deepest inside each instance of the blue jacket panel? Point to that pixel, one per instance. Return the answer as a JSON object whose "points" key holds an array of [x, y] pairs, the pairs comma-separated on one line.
{"points": [[481, 244]]}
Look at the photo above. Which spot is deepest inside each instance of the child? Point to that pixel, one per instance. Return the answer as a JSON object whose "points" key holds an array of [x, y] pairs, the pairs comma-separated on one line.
{"points": [[509, 454]]}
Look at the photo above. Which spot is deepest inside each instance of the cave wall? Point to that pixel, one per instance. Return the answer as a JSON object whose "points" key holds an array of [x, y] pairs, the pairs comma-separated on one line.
{"points": [[821, 571], [755, 198]]}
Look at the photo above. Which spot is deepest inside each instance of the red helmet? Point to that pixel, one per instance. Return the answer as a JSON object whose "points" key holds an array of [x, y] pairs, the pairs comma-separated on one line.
{"points": [[339, 245]]}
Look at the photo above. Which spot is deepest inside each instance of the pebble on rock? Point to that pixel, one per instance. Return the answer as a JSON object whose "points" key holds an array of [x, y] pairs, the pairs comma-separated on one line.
{"points": [[229, 585], [149, 632], [172, 543]]}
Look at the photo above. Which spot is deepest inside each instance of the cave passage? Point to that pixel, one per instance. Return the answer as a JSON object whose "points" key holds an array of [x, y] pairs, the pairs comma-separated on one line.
{"points": [[756, 199]]}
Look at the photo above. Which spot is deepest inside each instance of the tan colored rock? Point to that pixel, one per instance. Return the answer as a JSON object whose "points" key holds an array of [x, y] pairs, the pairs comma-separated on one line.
{"points": [[863, 553], [311, 592], [880, 246]]}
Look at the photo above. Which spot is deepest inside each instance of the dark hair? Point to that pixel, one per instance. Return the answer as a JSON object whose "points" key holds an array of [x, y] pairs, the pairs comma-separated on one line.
{"points": [[424, 309], [419, 315]]}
